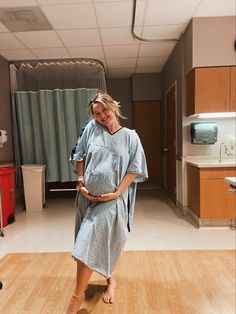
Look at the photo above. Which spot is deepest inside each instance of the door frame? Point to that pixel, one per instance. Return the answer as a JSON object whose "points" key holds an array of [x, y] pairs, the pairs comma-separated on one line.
{"points": [[174, 84]]}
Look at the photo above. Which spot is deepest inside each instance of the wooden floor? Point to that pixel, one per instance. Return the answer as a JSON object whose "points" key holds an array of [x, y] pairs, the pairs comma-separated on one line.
{"points": [[191, 282]]}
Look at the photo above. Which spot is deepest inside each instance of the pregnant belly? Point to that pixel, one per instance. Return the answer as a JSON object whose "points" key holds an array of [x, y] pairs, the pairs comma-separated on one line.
{"points": [[99, 183]]}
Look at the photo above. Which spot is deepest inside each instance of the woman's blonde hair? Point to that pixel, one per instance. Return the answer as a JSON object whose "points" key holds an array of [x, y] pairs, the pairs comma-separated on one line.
{"points": [[107, 101]]}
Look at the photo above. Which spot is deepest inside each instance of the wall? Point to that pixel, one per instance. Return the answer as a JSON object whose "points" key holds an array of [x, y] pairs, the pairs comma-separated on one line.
{"points": [[213, 41], [6, 153], [188, 48], [120, 90], [146, 86]]}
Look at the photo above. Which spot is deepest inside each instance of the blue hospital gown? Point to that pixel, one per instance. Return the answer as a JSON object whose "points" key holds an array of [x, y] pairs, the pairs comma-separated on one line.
{"points": [[101, 228]]}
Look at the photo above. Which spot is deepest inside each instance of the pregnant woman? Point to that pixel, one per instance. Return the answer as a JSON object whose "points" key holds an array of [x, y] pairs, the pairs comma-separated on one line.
{"points": [[110, 161]]}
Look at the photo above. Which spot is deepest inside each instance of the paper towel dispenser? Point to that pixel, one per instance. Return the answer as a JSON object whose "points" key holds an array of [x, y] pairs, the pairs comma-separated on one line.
{"points": [[203, 133]]}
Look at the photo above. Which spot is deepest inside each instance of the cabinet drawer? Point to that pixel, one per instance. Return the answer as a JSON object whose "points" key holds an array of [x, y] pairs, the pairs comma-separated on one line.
{"points": [[217, 173]]}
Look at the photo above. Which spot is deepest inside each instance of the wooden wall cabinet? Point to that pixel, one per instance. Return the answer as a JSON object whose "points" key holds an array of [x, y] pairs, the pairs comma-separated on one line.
{"points": [[233, 89], [211, 90], [208, 196]]}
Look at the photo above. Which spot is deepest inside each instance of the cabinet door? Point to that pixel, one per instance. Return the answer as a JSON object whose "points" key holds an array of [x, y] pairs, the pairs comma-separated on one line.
{"points": [[216, 202], [233, 89], [190, 94], [212, 89], [193, 191]]}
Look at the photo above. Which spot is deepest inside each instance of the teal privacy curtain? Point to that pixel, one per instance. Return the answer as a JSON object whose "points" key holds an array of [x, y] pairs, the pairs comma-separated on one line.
{"points": [[46, 125]]}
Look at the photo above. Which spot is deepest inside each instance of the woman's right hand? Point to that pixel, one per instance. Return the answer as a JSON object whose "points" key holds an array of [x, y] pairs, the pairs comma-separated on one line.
{"points": [[86, 194]]}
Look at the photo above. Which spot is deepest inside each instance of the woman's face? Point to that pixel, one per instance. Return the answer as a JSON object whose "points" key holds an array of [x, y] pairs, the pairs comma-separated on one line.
{"points": [[103, 115]]}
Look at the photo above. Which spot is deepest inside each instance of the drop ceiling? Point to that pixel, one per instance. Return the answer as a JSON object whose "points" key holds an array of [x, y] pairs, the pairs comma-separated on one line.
{"points": [[101, 29]]}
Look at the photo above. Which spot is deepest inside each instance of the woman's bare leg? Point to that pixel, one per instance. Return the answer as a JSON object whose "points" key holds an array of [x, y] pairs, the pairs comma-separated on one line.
{"points": [[83, 276], [109, 294]]}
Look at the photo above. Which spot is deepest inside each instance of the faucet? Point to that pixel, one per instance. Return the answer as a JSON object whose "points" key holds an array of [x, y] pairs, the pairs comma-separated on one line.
{"points": [[222, 145]]}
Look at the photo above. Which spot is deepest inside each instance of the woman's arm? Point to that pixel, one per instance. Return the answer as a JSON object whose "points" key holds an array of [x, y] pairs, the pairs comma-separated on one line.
{"points": [[80, 182], [80, 168], [125, 183], [80, 173]]}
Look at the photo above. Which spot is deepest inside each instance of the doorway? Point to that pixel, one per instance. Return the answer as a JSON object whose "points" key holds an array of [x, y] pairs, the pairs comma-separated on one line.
{"points": [[147, 122]]}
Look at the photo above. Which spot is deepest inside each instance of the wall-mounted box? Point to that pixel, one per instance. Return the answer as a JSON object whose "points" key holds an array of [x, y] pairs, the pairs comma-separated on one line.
{"points": [[203, 133]]}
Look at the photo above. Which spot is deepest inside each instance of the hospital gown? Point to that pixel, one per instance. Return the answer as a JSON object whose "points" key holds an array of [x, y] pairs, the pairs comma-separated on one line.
{"points": [[101, 228]]}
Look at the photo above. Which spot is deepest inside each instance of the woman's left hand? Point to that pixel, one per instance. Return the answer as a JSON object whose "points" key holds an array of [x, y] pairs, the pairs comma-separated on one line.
{"points": [[108, 197]]}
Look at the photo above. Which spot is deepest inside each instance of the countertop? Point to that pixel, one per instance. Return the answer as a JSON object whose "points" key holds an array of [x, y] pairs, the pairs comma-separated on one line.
{"points": [[210, 162], [231, 180]]}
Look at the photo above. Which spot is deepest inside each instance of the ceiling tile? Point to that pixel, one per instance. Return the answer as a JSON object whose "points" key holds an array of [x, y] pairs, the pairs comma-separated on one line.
{"points": [[17, 54], [3, 29], [62, 1], [119, 14], [164, 12], [163, 31], [116, 36], [94, 52], [112, 1], [121, 63], [51, 53], [9, 41], [216, 8], [70, 16], [155, 49], [121, 50], [81, 37], [17, 3], [39, 39], [140, 13], [151, 61]]}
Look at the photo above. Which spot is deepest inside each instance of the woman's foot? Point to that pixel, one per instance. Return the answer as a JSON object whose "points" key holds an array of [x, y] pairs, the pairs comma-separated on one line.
{"points": [[109, 294], [75, 304]]}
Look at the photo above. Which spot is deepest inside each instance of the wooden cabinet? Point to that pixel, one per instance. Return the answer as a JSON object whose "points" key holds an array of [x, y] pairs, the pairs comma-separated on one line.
{"points": [[233, 89], [208, 196], [210, 90]]}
